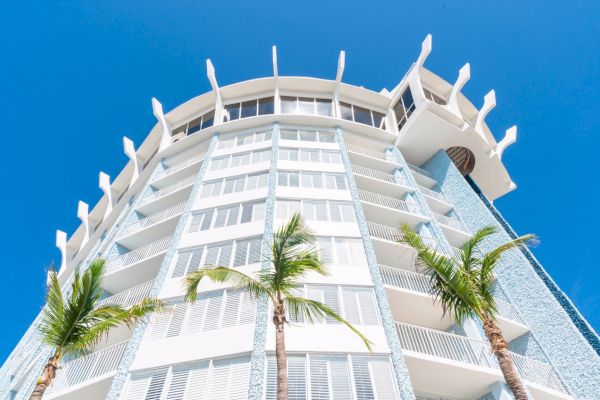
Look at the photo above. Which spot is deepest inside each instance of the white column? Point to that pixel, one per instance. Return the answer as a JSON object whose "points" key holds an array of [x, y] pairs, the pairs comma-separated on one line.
{"points": [[129, 148], [157, 110], [61, 244], [104, 183], [83, 215]]}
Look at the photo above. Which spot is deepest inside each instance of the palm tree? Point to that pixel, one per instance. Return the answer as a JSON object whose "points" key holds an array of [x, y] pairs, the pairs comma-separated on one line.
{"points": [[465, 288], [73, 324], [293, 254]]}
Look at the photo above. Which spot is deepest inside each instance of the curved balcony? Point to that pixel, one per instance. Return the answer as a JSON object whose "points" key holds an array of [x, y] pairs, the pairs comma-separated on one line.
{"points": [[88, 376], [464, 367], [386, 209], [171, 171], [151, 227], [129, 297], [371, 158], [157, 200], [436, 200], [454, 229], [135, 267], [414, 288]]}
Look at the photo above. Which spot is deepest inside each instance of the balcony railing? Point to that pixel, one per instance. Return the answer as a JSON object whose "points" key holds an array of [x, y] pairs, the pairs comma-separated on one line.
{"points": [[472, 351], [153, 219], [384, 232], [128, 297], [379, 175], [418, 282], [137, 255], [421, 171], [178, 167], [433, 193], [168, 189], [88, 367], [537, 372], [389, 202], [367, 152], [450, 222]]}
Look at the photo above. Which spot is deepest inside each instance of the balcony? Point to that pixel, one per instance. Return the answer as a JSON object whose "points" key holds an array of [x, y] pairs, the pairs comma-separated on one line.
{"points": [[129, 297], [436, 200], [376, 181], [465, 367], [454, 229], [175, 192], [414, 288], [386, 209], [423, 177], [172, 171], [387, 245], [135, 267], [371, 158], [94, 370], [151, 227]]}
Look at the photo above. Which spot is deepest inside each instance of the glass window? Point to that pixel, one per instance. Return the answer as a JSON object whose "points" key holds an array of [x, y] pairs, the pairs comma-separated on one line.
{"points": [[194, 126], [232, 111], [288, 105], [289, 135], [324, 107], [378, 120], [266, 105], [248, 109], [327, 137], [308, 136], [346, 111], [208, 119], [306, 105], [362, 115]]}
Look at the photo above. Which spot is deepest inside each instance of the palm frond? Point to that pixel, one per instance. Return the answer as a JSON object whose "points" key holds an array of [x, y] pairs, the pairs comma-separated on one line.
{"points": [[312, 310], [237, 279]]}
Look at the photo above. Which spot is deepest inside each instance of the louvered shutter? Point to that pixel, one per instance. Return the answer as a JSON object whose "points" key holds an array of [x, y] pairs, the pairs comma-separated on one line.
{"points": [[177, 317], [241, 251], [255, 251], [351, 307], [160, 324], [339, 377], [213, 310], [155, 388], [232, 308], [181, 264], [197, 382], [194, 264], [384, 381], [296, 366], [368, 308], [327, 295], [239, 377], [271, 386], [179, 381], [362, 379], [319, 382], [137, 387], [195, 319], [247, 308]]}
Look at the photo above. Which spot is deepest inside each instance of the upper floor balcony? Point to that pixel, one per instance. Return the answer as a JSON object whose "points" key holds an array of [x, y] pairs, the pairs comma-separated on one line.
{"points": [[454, 229], [129, 297], [414, 288], [176, 171], [135, 267], [370, 158], [87, 377], [385, 209], [161, 198], [151, 227], [464, 367], [422, 176], [377, 181], [436, 200]]}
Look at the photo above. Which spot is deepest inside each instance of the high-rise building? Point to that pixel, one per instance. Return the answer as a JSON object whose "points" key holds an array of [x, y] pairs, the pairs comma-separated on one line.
{"points": [[220, 173]]}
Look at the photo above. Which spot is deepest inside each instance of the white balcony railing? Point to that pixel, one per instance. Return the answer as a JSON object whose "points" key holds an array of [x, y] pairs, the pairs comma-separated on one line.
{"points": [[137, 255], [537, 372], [472, 351], [178, 167], [129, 297], [384, 232], [421, 171], [389, 202], [168, 189], [153, 219], [450, 222], [376, 174], [367, 152], [418, 282], [88, 367], [432, 193]]}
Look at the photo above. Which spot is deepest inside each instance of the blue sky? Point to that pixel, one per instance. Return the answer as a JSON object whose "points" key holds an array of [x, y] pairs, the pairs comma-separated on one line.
{"points": [[76, 77]]}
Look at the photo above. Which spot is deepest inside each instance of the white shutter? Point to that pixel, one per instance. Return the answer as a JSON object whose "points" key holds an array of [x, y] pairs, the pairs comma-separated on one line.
{"points": [[351, 307], [179, 379], [271, 385], [319, 380], [296, 366], [327, 295], [137, 387], [362, 379], [181, 264], [160, 324], [195, 318], [383, 379], [232, 307], [155, 388], [229, 379], [340, 378], [368, 309], [213, 310], [197, 382], [177, 317], [247, 308]]}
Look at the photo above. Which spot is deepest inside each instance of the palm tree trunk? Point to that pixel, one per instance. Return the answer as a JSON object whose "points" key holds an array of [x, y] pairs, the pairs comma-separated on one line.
{"points": [[282, 377], [500, 349], [46, 379]]}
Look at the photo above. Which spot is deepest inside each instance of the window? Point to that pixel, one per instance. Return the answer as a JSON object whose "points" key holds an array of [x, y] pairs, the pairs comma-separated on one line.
{"points": [[204, 121], [240, 159], [310, 155], [227, 216], [250, 108], [326, 376], [308, 136], [316, 210], [429, 95], [306, 105], [231, 253], [207, 379], [227, 142], [234, 184], [212, 310], [362, 115], [342, 251], [314, 180], [404, 107]]}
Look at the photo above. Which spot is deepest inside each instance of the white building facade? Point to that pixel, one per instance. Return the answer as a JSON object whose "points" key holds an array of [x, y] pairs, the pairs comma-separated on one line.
{"points": [[220, 173]]}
